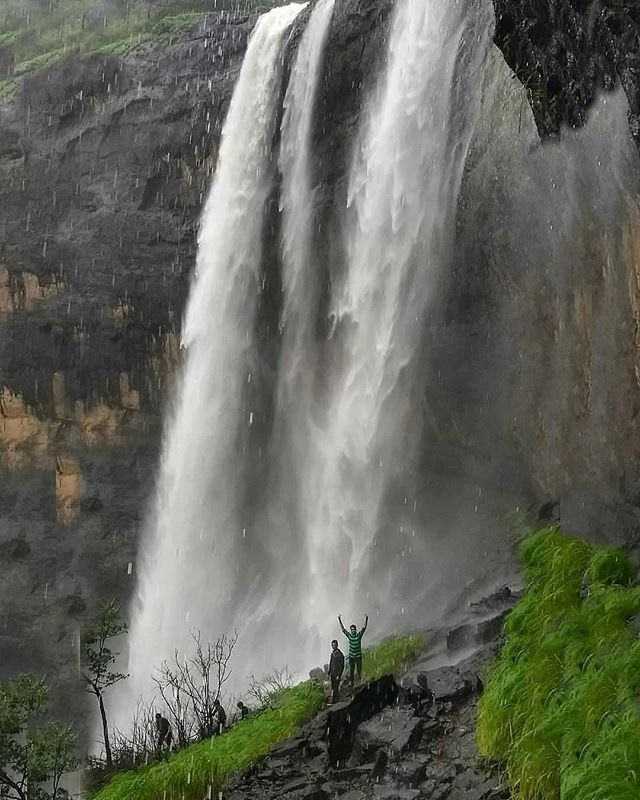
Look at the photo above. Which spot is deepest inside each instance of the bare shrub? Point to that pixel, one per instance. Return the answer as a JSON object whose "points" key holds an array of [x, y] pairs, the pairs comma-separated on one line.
{"points": [[266, 690]]}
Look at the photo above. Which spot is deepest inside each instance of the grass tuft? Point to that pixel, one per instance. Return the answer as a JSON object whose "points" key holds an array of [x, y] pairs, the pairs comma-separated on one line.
{"points": [[391, 656], [560, 709]]}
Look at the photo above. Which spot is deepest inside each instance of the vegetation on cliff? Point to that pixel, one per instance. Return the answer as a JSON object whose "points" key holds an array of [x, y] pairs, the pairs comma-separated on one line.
{"points": [[35, 34], [34, 754], [201, 769], [560, 709]]}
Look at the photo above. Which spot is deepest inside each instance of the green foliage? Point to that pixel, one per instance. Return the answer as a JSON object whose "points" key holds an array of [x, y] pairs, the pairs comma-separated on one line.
{"points": [[202, 769], [610, 567], [31, 755], [99, 658], [41, 33], [560, 709], [391, 656]]}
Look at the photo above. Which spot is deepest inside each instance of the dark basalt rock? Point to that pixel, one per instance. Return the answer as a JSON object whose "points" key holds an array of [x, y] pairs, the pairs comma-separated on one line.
{"points": [[344, 718], [565, 51]]}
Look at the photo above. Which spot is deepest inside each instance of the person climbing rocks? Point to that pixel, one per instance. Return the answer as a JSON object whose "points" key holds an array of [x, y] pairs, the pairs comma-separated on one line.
{"points": [[243, 711], [220, 715], [354, 636], [336, 668], [165, 734]]}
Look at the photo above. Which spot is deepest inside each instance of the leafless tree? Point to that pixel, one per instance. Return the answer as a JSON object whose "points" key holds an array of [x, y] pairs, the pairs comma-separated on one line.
{"points": [[191, 686], [139, 744], [171, 687], [266, 690], [205, 674]]}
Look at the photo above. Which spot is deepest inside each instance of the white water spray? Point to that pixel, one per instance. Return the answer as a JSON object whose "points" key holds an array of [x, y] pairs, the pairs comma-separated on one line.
{"points": [[334, 463], [190, 573], [403, 190]]}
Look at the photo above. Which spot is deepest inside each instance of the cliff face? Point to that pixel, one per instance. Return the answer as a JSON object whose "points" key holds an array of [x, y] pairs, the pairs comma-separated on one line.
{"points": [[533, 357], [105, 162]]}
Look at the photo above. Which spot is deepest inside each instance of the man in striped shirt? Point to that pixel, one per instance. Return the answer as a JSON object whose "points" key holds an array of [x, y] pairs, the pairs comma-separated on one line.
{"points": [[354, 637]]}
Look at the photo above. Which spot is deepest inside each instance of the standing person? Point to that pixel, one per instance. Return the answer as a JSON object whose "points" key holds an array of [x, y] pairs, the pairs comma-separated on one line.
{"points": [[165, 734], [354, 637], [243, 711], [336, 668], [221, 715]]}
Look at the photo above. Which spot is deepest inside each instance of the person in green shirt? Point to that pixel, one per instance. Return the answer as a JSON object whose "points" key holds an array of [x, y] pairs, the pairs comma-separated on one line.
{"points": [[354, 637]]}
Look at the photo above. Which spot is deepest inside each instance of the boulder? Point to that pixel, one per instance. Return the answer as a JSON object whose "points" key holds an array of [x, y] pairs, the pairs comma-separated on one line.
{"points": [[344, 719], [451, 683], [395, 731], [410, 771]]}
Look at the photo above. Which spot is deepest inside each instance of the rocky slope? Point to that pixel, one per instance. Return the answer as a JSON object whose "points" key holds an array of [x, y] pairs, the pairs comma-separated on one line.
{"points": [[533, 357], [398, 741]]}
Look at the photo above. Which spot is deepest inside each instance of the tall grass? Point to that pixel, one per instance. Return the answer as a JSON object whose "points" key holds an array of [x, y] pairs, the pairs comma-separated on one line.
{"points": [[560, 709], [391, 656]]}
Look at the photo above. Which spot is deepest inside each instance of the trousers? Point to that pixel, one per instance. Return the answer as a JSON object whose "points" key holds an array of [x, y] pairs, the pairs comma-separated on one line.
{"points": [[355, 666]]}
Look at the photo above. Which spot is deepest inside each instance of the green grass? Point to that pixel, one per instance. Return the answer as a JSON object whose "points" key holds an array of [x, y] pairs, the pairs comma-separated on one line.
{"points": [[8, 90], [391, 656], [560, 709], [41, 34], [189, 774]]}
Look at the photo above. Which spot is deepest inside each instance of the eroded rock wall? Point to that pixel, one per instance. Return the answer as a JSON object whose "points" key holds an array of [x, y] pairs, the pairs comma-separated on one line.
{"points": [[104, 164]]}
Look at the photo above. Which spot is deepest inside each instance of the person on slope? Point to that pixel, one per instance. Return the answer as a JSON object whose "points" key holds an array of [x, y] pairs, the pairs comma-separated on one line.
{"points": [[243, 711], [354, 636], [336, 668], [220, 715], [165, 734]]}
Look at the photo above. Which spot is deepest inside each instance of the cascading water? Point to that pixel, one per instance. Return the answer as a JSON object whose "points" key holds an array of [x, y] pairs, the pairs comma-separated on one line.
{"points": [[403, 190], [332, 459], [299, 280], [189, 573]]}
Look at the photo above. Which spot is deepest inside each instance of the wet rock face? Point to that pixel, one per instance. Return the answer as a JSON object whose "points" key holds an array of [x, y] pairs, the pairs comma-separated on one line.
{"points": [[104, 165], [565, 51]]}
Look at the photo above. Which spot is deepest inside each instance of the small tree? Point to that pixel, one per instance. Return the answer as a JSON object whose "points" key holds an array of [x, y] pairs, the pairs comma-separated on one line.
{"points": [[139, 742], [171, 686], [267, 690], [99, 661], [191, 685], [31, 757], [205, 673]]}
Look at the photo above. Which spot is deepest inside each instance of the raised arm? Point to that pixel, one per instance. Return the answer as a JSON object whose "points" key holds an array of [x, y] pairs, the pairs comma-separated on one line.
{"points": [[366, 622], [344, 630]]}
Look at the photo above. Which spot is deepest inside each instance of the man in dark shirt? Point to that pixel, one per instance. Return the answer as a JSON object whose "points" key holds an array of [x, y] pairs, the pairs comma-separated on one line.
{"points": [[354, 637], [165, 734], [221, 716], [336, 668]]}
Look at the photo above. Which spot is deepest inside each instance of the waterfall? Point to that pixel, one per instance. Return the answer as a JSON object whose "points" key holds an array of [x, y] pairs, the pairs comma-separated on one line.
{"points": [[293, 429], [403, 189], [331, 459], [297, 204], [190, 572]]}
